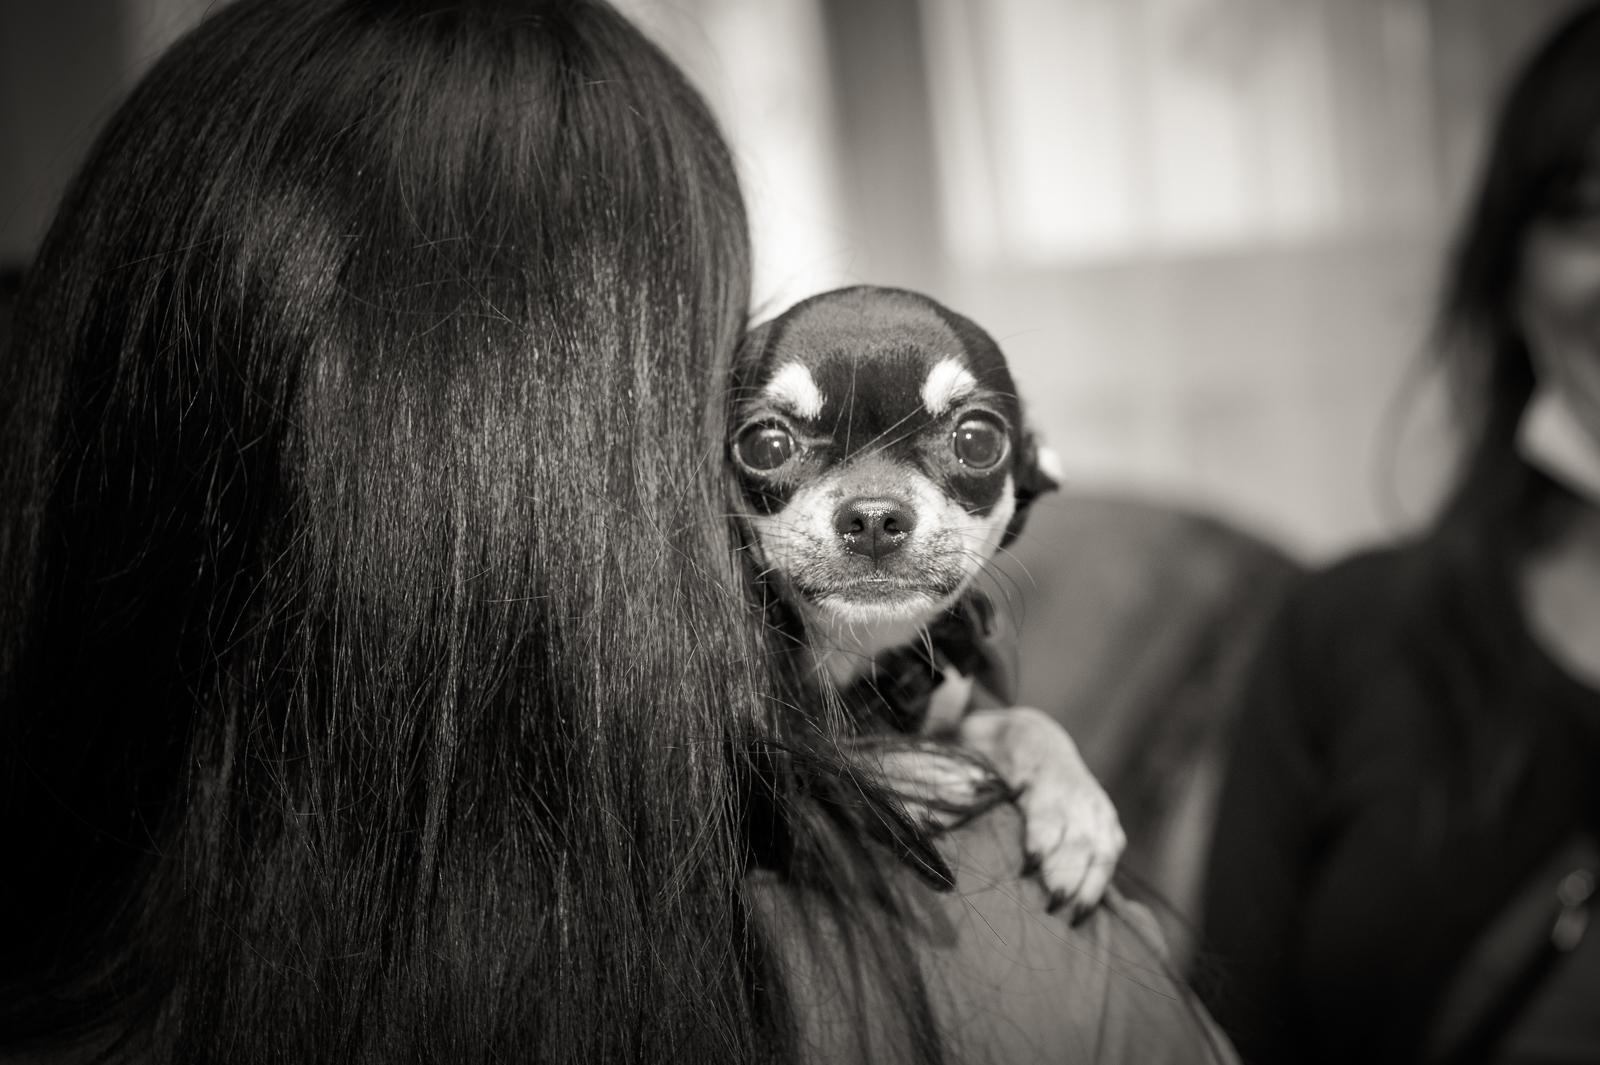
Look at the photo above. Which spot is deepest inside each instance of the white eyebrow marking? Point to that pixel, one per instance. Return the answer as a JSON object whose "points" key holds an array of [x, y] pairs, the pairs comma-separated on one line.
{"points": [[794, 389], [948, 383]]}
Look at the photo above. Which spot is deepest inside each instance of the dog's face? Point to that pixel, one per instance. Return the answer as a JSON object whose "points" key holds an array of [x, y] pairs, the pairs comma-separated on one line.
{"points": [[880, 446]]}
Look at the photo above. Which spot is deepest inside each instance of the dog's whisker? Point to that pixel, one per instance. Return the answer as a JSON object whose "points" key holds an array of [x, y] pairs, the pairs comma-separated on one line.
{"points": [[1006, 589], [1020, 564], [874, 444], [1002, 578]]}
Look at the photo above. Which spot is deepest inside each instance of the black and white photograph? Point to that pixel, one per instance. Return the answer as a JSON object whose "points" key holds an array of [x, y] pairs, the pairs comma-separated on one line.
{"points": [[920, 532]]}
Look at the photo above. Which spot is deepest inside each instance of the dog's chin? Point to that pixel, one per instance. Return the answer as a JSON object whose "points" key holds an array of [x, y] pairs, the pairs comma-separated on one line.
{"points": [[851, 625], [881, 601], [895, 605]]}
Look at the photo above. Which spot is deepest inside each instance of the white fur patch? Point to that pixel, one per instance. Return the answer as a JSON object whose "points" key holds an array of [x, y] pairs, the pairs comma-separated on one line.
{"points": [[948, 383], [795, 390]]}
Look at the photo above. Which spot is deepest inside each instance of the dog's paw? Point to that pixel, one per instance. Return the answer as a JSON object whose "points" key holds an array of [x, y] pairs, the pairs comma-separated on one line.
{"points": [[936, 789], [1073, 835]]}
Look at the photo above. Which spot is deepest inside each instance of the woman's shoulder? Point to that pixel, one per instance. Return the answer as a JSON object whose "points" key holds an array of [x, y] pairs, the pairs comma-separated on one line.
{"points": [[1352, 658], [1009, 981], [1020, 983], [1377, 580], [1353, 613]]}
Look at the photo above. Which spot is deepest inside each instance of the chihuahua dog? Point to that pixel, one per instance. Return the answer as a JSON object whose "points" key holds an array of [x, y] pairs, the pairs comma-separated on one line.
{"points": [[883, 458]]}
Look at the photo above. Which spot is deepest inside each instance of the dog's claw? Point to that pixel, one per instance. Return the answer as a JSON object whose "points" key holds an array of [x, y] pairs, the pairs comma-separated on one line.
{"points": [[1075, 840], [1073, 836]]}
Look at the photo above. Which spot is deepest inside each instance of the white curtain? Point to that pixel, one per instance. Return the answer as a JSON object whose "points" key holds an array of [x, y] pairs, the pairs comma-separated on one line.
{"points": [[1074, 131]]}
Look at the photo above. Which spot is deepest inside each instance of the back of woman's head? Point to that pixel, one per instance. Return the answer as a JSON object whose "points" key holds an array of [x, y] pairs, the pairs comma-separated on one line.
{"points": [[371, 648], [1544, 141]]}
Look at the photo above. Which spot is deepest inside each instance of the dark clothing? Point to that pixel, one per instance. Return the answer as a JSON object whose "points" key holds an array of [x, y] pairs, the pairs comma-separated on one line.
{"points": [[1007, 982], [1406, 757]]}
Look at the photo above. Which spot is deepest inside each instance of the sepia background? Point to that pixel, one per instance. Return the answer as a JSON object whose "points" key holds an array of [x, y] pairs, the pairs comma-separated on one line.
{"points": [[1207, 232]]}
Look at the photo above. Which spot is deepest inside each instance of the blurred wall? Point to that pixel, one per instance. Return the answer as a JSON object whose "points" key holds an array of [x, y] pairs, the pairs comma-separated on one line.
{"points": [[59, 64], [1206, 231], [64, 66], [1254, 342]]}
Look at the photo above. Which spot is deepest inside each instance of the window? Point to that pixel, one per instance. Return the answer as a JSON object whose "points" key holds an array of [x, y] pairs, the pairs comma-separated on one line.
{"points": [[1073, 131]]}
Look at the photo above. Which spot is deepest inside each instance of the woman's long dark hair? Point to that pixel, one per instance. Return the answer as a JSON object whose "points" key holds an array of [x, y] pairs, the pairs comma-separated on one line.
{"points": [[1543, 143], [377, 680]]}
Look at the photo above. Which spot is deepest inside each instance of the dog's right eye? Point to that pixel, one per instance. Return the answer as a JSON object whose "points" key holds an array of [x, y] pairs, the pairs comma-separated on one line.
{"points": [[765, 447], [979, 443]]}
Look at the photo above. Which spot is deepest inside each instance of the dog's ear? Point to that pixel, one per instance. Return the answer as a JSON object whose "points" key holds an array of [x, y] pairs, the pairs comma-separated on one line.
{"points": [[1037, 471]]}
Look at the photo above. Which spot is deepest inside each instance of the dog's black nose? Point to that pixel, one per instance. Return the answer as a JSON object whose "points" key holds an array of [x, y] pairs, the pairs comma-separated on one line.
{"points": [[874, 527]]}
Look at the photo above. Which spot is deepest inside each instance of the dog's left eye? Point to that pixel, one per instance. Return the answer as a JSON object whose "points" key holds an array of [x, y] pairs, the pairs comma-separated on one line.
{"points": [[765, 447], [979, 443]]}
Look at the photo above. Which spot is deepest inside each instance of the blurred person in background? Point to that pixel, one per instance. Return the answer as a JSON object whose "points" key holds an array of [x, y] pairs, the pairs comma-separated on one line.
{"points": [[1404, 862]]}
